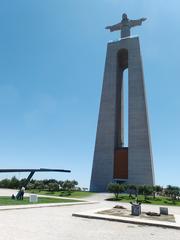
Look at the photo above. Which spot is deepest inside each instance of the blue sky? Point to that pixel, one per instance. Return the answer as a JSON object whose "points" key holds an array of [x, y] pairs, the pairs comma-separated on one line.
{"points": [[52, 56]]}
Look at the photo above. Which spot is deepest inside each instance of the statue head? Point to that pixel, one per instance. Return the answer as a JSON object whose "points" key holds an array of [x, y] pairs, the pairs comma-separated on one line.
{"points": [[124, 16]]}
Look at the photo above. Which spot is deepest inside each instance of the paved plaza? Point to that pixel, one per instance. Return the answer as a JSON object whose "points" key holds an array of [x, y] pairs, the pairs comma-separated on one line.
{"points": [[57, 223]]}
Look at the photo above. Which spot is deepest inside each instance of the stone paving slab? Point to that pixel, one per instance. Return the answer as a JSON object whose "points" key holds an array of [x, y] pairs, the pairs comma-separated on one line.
{"points": [[94, 215], [56, 223]]}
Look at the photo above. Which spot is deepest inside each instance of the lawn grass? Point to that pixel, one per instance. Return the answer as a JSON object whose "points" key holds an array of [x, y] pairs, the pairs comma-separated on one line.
{"points": [[4, 200], [150, 200], [74, 194]]}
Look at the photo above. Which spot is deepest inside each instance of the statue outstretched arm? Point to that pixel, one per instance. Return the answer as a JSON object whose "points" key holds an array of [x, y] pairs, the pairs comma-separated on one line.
{"points": [[138, 22], [115, 27]]}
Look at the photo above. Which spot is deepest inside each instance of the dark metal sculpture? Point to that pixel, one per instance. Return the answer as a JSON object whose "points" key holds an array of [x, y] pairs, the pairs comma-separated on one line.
{"points": [[32, 172]]}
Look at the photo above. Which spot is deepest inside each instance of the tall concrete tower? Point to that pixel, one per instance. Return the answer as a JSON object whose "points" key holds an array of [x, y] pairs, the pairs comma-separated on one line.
{"points": [[112, 161]]}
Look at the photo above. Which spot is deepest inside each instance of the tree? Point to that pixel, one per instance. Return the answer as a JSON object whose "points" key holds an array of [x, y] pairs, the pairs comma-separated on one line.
{"points": [[132, 189], [173, 192], [22, 182], [46, 184], [39, 185], [53, 187], [145, 190], [14, 183], [52, 180], [5, 183], [68, 185], [74, 184], [156, 189], [30, 186], [115, 188], [60, 184], [45, 181]]}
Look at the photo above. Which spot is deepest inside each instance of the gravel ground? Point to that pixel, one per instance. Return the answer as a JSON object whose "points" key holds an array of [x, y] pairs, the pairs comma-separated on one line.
{"points": [[57, 223]]}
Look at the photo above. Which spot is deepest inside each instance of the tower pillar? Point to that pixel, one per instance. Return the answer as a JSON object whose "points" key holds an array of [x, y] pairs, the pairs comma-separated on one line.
{"points": [[112, 161]]}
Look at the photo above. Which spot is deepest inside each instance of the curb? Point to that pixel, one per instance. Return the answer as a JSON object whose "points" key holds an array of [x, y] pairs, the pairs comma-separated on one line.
{"points": [[20, 207], [125, 220]]}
